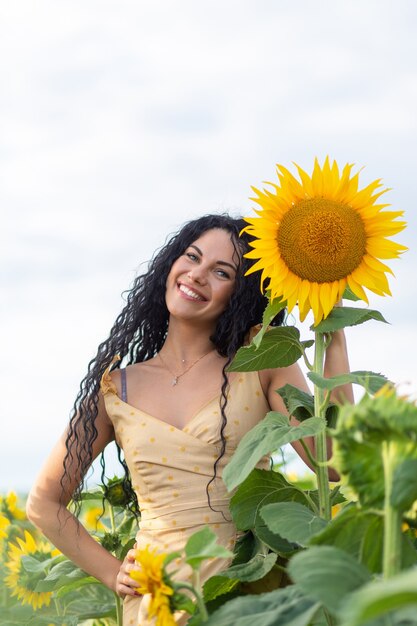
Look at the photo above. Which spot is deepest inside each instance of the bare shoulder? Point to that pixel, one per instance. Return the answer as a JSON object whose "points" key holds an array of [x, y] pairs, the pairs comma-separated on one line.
{"points": [[133, 372]]}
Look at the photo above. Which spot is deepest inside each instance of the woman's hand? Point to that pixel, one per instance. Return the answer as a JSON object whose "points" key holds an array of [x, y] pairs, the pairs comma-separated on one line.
{"points": [[125, 585]]}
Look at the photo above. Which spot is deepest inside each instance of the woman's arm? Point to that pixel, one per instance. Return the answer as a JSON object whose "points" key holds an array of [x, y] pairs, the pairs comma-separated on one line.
{"points": [[336, 362], [46, 509]]}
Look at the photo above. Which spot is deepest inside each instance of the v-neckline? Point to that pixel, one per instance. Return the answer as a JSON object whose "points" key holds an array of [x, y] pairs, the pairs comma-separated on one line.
{"points": [[161, 421]]}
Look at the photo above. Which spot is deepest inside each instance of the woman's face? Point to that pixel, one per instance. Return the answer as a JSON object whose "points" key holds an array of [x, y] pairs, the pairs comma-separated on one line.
{"points": [[202, 279]]}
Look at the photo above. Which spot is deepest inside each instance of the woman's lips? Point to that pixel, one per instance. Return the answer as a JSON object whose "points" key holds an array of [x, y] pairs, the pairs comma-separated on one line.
{"points": [[190, 294]]}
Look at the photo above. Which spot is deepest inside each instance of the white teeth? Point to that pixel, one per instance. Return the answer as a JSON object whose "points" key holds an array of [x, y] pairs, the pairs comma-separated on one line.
{"points": [[190, 293]]}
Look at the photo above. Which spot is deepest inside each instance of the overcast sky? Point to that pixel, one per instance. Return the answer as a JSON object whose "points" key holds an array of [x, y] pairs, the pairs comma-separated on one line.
{"points": [[121, 120]]}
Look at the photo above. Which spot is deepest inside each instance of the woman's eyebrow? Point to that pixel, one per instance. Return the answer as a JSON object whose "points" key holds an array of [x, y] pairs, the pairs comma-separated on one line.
{"points": [[234, 268]]}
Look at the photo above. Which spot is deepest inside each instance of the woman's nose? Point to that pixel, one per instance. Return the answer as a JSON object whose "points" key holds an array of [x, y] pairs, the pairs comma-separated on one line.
{"points": [[198, 275]]}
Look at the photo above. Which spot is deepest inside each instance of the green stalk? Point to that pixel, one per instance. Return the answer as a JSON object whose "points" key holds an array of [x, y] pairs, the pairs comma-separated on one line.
{"points": [[119, 610], [393, 518], [320, 438], [199, 595]]}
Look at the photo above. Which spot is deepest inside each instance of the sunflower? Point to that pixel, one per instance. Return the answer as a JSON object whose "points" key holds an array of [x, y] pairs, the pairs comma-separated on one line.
{"points": [[92, 519], [319, 234], [8, 506], [23, 583], [151, 579], [4, 523]]}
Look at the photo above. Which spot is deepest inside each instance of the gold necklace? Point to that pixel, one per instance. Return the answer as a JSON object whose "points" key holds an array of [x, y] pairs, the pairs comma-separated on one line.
{"points": [[178, 376]]}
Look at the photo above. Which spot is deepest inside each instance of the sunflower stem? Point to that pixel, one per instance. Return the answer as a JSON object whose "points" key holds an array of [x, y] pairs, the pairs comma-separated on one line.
{"points": [[307, 361], [308, 453], [112, 520], [393, 518], [199, 594], [119, 611], [320, 439]]}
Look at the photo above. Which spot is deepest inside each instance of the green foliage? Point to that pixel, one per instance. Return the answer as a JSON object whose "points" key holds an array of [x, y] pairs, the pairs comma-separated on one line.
{"points": [[293, 521], [270, 434], [381, 598], [359, 443], [327, 574], [284, 607], [369, 380], [279, 347], [203, 545], [271, 310], [341, 317]]}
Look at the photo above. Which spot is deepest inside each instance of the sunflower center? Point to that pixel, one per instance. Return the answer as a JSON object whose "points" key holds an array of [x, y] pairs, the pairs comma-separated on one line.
{"points": [[321, 240]]}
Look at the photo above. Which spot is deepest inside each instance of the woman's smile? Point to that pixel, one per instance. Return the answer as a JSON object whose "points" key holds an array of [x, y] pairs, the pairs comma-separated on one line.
{"points": [[189, 293]]}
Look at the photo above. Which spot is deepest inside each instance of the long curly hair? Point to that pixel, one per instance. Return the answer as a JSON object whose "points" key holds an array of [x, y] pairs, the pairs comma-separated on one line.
{"points": [[139, 333]]}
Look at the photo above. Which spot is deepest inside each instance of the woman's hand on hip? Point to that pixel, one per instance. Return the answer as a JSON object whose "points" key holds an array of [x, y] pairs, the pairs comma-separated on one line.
{"points": [[125, 585]]}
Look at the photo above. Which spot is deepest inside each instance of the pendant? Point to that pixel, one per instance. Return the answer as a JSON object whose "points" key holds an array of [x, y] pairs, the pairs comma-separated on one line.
{"points": [[174, 381]]}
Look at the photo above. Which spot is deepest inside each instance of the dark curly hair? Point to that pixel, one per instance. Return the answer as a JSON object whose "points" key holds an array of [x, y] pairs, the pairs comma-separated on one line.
{"points": [[139, 333]]}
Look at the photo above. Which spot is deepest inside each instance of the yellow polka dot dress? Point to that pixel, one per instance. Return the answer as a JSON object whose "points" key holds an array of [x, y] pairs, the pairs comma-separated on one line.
{"points": [[170, 469]]}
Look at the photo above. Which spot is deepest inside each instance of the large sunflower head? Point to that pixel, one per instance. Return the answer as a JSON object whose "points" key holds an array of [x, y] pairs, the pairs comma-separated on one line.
{"points": [[317, 234], [21, 582]]}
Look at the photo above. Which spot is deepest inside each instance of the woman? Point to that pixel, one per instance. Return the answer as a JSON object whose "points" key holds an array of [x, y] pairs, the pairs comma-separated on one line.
{"points": [[174, 410]]}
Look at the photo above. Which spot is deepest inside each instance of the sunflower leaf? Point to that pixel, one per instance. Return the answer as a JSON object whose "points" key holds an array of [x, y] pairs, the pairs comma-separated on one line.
{"points": [[297, 402], [202, 545], [254, 569], [279, 347], [218, 586], [261, 487], [327, 574], [378, 598], [287, 607], [371, 381], [349, 295], [293, 521], [272, 309], [340, 317], [270, 434]]}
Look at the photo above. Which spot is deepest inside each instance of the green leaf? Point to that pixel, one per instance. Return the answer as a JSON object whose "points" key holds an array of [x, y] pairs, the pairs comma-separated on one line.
{"points": [[340, 317], [297, 402], [349, 295], [293, 521], [286, 607], [261, 487], [363, 431], [218, 586], [279, 347], [272, 309], [379, 598], [60, 575], [270, 434], [358, 532], [202, 545], [404, 491], [246, 546], [254, 569], [370, 380], [327, 574], [274, 541]]}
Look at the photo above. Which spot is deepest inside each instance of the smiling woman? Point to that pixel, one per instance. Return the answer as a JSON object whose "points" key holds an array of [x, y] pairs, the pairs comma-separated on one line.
{"points": [[173, 409]]}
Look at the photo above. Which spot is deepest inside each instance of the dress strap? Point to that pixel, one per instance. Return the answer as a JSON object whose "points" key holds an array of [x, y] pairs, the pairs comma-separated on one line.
{"points": [[124, 384]]}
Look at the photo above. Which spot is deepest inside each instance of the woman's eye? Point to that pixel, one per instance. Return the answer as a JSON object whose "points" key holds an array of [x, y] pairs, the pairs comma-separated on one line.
{"points": [[222, 273], [191, 256]]}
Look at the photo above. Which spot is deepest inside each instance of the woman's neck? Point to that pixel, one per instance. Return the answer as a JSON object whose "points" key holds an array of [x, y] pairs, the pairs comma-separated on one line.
{"points": [[185, 343]]}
